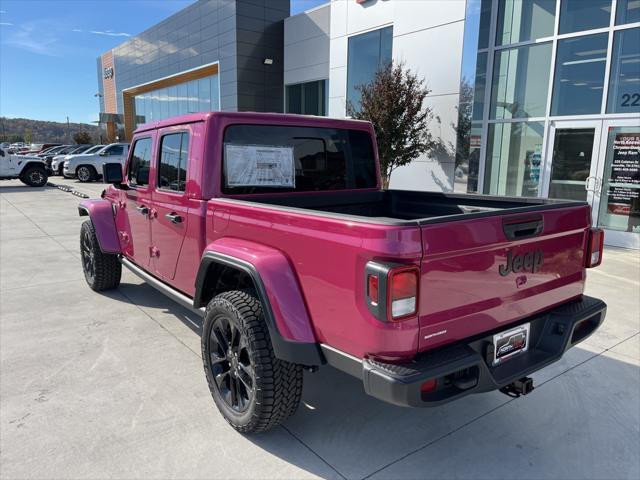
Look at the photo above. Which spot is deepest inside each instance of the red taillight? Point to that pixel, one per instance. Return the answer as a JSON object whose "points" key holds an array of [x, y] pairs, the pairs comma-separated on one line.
{"points": [[403, 292], [595, 246], [372, 289]]}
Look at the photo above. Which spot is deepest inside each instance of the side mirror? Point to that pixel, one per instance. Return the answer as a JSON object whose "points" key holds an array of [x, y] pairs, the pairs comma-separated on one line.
{"points": [[112, 173]]}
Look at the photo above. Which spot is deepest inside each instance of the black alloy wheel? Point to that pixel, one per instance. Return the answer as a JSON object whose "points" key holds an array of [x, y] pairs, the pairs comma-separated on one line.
{"points": [[230, 364], [88, 256]]}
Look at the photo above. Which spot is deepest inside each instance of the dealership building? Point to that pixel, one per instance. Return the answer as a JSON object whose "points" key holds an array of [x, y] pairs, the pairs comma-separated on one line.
{"points": [[529, 97]]}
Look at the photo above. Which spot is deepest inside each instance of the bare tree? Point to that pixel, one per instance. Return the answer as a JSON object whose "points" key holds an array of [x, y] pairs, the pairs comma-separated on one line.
{"points": [[394, 103], [82, 138]]}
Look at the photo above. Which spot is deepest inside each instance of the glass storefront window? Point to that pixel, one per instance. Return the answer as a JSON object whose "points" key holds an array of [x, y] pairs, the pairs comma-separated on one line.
{"points": [[520, 82], [620, 197], [579, 15], [172, 98], [514, 156], [523, 20], [480, 85], [189, 97], [628, 11], [579, 75], [624, 80], [306, 98], [367, 53]]}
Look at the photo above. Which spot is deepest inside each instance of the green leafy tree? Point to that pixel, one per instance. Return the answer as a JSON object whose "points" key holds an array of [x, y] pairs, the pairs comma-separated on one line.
{"points": [[394, 103], [82, 138], [28, 136]]}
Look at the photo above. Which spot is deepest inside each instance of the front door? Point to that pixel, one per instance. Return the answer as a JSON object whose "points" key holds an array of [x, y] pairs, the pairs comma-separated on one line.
{"points": [[134, 227], [570, 171], [598, 162], [617, 200]]}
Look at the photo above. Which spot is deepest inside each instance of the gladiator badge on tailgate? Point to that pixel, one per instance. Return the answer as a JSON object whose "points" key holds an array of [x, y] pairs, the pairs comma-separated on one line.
{"points": [[527, 262]]}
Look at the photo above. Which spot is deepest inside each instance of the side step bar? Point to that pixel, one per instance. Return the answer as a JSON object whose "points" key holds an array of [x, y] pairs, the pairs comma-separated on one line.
{"points": [[162, 287]]}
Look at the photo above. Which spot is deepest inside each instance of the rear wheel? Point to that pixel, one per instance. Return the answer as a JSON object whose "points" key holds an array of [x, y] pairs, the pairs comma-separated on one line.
{"points": [[86, 173], [253, 389], [102, 271], [34, 176]]}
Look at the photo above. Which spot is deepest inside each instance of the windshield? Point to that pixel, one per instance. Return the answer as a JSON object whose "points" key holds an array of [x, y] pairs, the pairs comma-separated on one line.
{"points": [[80, 149], [95, 149]]}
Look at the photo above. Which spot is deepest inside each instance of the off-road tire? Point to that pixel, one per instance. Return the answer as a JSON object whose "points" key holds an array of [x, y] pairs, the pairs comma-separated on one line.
{"points": [[34, 176], [86, 173], [278, 384], [106, 270]]}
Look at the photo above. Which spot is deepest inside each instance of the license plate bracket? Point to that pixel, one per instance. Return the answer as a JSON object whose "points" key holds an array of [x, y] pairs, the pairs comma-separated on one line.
{"points": [[510, 343]]}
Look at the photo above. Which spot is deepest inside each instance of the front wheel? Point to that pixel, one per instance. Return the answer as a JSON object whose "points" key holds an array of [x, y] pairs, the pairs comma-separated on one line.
{"points": [[86, 173], [35, 176], [102, 271], [254, 390]]}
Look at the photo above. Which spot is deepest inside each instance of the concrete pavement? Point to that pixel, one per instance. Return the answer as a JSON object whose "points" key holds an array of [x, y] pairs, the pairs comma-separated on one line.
{"points": [[111, 385]]}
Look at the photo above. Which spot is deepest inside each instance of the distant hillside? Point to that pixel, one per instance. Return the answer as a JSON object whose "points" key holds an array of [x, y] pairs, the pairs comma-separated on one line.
{"points": [[26, 130]]}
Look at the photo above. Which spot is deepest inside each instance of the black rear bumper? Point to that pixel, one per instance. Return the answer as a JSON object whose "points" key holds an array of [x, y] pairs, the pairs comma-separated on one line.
{"points": [[464, 368]]}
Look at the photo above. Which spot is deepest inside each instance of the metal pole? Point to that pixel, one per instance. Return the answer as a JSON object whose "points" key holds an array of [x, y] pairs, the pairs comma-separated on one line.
{"points": [[68, 136]]}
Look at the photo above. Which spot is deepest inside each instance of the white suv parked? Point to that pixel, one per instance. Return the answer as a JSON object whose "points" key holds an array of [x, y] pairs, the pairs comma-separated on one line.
{"points": [[58, 160], [88, 168]]}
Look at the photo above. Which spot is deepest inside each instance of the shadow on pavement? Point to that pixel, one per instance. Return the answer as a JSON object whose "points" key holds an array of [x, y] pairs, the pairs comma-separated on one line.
{"points": [[553, 432]]}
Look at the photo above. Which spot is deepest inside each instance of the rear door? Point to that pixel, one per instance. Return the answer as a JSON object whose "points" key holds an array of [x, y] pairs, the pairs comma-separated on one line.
{"points": [[169, 206], [134, 226], [485, 273]]}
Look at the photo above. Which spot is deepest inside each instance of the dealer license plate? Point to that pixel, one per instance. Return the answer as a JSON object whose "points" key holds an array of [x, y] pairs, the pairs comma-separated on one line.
{"points": [[510, 343]]}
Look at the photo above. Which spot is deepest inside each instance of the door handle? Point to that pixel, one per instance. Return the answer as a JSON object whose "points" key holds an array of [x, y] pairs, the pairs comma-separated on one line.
{"points": [[174, 217], [143, 210], [587, 183]]}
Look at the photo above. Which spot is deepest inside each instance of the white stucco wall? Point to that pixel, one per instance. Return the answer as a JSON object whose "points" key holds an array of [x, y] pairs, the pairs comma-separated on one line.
{"points": [[427, 36], [306, 46]]}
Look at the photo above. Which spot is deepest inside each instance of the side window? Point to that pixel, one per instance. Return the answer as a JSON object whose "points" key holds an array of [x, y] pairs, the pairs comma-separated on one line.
{"points": [[174, 152], [138, 172], [116, 150]]}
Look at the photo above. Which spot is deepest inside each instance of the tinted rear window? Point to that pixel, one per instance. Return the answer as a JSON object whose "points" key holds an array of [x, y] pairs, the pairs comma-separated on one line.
{"points": [[268, 158]]}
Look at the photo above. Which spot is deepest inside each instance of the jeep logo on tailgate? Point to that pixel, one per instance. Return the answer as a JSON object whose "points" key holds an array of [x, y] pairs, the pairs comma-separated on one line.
{"points": [[528, 262]]}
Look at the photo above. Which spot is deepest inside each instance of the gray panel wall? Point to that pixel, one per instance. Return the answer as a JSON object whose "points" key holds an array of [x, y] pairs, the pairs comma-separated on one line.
{"points": [[238, 34]]}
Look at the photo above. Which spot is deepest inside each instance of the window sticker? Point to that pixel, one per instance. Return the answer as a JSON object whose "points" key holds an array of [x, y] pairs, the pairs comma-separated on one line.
{"points": [[259, 166]]}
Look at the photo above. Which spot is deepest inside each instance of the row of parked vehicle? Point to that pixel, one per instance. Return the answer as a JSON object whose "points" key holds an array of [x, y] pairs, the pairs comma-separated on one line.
{"points": [[83, 162]]}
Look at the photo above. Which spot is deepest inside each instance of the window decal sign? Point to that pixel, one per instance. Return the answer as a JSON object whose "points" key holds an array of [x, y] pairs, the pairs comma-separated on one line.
{"points": [[259, 166], [623, 197]]}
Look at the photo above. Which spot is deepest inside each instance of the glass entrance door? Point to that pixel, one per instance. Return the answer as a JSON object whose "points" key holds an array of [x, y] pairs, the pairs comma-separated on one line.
{"points": [[617, 201], [569, 167]]}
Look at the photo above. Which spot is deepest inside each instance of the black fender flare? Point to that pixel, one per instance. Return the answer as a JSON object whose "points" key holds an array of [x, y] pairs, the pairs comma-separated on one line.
{"points": [[303, 353]]}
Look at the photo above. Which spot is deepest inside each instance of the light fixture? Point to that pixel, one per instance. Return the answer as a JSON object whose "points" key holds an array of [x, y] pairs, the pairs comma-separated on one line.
{"points": [[268, 61]]}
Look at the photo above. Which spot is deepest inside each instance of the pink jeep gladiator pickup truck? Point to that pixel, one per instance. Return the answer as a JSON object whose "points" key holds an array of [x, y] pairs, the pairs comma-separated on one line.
{"points": [[276, 230]]}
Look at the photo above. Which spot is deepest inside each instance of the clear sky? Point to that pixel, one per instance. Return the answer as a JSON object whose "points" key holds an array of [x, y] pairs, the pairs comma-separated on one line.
{"points": [[48, 50]]}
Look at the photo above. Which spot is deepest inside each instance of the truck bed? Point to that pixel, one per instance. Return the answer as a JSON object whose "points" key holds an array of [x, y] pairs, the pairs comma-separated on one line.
{"points": [[400, 207], [461, 243]]}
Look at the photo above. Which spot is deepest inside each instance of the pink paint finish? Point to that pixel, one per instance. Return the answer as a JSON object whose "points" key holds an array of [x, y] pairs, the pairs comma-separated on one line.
{"points": [[281, 284], [313, 265], [462, 291], [101, 214], [329, 256]]}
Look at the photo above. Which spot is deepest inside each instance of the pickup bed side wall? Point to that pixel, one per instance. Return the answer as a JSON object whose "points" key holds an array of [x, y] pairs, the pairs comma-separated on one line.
{"points": [[277, 287], [101, 214], [328, 257]]}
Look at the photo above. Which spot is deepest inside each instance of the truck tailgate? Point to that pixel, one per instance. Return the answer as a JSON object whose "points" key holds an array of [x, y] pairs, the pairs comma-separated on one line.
{"points": [[482, 274]]}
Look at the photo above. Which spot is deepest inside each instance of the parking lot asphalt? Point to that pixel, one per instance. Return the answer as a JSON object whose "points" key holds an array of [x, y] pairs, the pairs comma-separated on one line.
{"points": [[111, 386]]}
